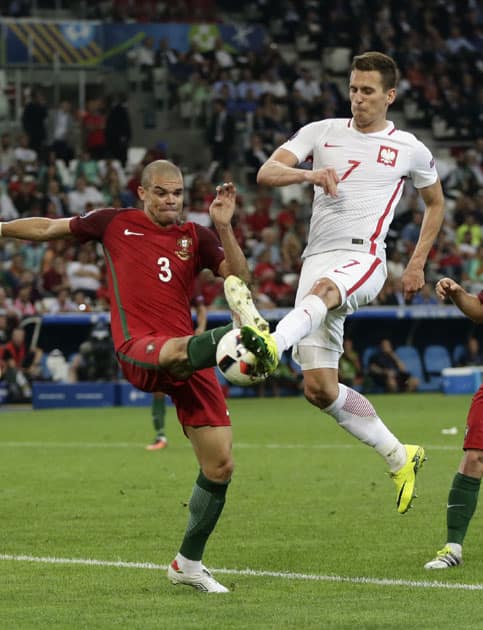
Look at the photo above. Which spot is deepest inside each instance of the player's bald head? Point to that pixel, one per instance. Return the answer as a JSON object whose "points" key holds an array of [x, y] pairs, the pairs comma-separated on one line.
{"points": [[160, 169]]}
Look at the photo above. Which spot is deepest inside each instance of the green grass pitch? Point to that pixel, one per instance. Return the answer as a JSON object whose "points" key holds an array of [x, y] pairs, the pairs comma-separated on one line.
{"points": [[310, 537]]}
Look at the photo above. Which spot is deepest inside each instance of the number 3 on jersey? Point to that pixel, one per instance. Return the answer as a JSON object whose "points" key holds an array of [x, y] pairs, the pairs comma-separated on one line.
{"points": [[354, 164], [165, 274]]}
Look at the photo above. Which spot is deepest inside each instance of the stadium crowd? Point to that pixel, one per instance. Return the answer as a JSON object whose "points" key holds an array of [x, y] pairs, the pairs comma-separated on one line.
{"points": [[246, 105]]}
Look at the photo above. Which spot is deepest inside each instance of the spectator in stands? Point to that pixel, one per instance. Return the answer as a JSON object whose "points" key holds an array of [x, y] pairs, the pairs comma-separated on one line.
{"points": [[469, 225], [26, 156], [82, 195], [7, 208], [22, 365], [269, 243], [83, 274], [34, 121], [88, 167], [6, 306], [118, 129], [23, 303], [221, 134], [54, 277], [142, 57], [309, 90], [395, 264], [4, 333], [61, 131], [426, 296], [473, 271], [93, 123], [13, 273], [410, 232], [7, 155], [388, 371], [255, 156], [62, 302]]}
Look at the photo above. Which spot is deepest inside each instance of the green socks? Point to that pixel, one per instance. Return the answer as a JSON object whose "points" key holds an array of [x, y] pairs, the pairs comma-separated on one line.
{"points": [[158, 412], [206, 505], [462, 500], [202, 348]]}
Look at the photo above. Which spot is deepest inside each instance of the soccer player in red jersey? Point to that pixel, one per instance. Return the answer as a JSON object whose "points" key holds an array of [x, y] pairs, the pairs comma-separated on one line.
{"points": [[465, 488], [152, 261]]}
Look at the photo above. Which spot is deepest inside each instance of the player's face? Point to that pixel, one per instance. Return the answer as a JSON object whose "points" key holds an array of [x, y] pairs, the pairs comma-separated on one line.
{"points": [[369, 100], [163, 199]]}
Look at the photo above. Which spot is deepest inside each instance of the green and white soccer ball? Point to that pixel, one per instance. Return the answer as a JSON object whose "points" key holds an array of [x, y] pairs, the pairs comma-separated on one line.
{"points": [[237, 364]]}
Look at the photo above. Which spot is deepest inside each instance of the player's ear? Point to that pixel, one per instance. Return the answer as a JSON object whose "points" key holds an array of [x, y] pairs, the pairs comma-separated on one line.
{"points": [[141, 193], [391, 96]]}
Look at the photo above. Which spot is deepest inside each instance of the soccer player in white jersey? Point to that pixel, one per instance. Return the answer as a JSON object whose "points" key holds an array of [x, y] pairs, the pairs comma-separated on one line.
{"points": [[359, 168]]}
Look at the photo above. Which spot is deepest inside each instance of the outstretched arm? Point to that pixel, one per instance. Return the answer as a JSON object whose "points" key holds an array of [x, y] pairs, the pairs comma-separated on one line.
{"points": [[468, 304], [36, 229], [413, 276], [221, 211]]}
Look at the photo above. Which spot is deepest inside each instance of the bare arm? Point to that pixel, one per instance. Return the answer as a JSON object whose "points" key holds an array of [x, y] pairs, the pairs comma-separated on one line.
{"points": [[279, 170], [413, 276], [36, 229], [468, 304], [221, 212]]}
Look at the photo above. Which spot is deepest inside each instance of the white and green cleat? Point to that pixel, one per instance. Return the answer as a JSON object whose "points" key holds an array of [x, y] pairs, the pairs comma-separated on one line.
{"points": [[446, 558], [241, 304], [263, 346]]}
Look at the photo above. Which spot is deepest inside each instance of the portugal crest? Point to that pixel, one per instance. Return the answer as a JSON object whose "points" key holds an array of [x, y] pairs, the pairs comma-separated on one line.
{"points": [[184, 248]]}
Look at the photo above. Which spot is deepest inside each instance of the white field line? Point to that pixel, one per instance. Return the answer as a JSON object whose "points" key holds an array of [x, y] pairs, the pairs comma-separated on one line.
{"points": [[241, 445], [252, 573]]}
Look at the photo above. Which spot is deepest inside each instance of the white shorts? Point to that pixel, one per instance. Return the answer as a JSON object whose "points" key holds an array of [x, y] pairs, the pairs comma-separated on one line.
{"points": [[359, 278]]}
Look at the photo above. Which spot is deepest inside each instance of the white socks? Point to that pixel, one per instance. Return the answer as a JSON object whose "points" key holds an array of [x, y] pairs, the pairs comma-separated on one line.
{"points": [[354, 413], [300, 322]]}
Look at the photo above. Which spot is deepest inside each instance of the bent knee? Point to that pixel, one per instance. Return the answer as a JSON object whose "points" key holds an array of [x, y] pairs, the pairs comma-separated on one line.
{"points": [[220, 471], [320, 395], [327, 290]]}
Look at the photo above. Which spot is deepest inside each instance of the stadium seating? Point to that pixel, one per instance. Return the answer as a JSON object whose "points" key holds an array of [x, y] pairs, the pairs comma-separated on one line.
{"points": [[458, 354], [409, 355], [366, 356], [435, 359]]}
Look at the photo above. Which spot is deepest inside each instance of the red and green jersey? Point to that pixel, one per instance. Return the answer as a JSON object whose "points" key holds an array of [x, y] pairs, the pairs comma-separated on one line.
{"points": [[151, 269]]}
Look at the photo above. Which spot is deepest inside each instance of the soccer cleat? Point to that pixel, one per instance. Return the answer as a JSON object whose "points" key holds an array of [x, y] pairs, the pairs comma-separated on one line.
{"points": [[202, 581], [446, 558], [158, 444], [263, 346], [405, 478], [241, 304]]}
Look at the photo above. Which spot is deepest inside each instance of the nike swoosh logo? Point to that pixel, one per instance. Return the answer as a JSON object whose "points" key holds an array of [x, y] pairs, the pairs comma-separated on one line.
{"points": [[129, 233], [332, 146], [453, 505]]}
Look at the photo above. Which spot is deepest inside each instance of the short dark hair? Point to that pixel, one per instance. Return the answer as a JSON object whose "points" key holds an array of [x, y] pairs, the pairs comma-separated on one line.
{"points": [[381, 63]]}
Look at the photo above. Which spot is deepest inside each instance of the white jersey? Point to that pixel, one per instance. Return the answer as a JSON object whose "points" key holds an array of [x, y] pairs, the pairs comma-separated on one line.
{"points": [[372, 168]]}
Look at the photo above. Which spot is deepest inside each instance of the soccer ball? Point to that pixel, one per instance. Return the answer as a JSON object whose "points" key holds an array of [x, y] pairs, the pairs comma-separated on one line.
{"points": [[235, 362]]}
